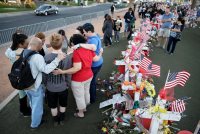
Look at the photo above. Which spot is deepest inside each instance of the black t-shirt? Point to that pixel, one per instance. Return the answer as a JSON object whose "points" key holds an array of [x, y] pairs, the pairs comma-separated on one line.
{"points": [[42, 52]]}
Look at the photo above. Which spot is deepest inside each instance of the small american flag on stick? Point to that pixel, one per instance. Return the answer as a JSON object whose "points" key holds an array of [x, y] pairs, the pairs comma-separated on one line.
{"points": [[144, 63], [153, 70], [178, 106], [177, 78]]}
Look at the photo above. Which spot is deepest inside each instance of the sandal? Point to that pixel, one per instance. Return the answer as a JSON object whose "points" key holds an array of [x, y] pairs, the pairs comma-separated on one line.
{"points": [[77, 116]]}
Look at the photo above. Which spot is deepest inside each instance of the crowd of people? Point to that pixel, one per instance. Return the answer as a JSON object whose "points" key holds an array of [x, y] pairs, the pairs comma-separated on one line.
{"points": [[56, 67], [75, 62], [168, 21]]}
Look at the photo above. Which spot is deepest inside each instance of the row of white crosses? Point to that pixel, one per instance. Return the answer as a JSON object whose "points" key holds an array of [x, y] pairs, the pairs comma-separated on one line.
{"points": [[118, 98], [127, 72], [158, 118]]}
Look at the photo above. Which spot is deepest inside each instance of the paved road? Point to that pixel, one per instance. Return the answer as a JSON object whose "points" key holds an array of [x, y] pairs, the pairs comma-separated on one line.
{"points": [[30, 18]]}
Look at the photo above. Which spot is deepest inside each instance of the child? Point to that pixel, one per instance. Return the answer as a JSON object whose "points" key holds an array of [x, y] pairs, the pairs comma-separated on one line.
{"points": [[117, 28]]}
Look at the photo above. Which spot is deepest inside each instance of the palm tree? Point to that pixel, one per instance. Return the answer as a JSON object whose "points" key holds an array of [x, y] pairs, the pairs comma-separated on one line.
{"points": [[193, 3]]}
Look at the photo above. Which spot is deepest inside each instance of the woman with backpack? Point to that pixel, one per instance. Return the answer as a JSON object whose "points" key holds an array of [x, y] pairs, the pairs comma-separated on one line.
{"points": [[19, 40]]}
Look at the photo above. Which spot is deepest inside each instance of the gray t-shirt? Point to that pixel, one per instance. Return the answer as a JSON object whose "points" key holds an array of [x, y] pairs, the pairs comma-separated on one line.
{"points": [[58, 83]]}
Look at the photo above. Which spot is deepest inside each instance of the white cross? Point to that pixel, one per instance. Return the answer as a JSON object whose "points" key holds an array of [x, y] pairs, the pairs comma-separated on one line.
{"points": [[121, 62], [117, 98], [158, 118]]}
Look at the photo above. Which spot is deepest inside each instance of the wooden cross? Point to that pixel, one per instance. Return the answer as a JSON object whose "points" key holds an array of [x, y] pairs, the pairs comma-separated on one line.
{"points": [[157, 118], [117, 98], [127, 71]]}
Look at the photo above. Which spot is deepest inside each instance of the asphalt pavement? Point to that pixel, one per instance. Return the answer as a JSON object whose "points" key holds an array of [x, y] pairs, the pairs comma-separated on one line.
{"points": [[27, 18]]}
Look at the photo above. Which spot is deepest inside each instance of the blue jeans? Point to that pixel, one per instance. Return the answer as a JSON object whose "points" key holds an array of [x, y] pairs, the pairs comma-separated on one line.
{"points": [[95, 71], [36, 103], [171, 44]]}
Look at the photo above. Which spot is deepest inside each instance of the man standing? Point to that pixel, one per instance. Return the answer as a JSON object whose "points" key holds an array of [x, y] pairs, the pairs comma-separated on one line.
{"points": [[112, 9], [93, 38], [35, 92], [164, 32]]}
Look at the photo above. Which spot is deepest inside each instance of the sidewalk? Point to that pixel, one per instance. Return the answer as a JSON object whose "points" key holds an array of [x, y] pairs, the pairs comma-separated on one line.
{"points": [[5, 87]]}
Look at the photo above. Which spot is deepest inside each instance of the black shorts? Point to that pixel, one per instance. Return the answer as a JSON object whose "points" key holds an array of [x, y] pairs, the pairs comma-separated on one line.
{"points": [[55, 98]]}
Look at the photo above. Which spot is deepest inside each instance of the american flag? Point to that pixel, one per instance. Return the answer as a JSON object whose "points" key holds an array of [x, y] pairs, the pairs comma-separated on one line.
{"points": [[178, 106], [138, 55], [144, 63], [138, 52], [144, 36], [139, 48], [177, 78], [153, 70]]}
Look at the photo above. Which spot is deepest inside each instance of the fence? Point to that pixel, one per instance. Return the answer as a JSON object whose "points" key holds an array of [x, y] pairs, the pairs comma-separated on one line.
{"points": [[6, 34]]}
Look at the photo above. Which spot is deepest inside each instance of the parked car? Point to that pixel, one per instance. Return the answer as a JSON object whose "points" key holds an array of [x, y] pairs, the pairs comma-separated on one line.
{"points": [[46, 9]]}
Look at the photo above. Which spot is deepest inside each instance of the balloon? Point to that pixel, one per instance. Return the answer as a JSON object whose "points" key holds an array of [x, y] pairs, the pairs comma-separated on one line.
{"points": [[162, 94], [184, 132], [141, 70]]}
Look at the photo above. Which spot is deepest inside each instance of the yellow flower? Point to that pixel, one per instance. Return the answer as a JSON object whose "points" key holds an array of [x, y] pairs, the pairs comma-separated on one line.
{"points": [[104, 129]]}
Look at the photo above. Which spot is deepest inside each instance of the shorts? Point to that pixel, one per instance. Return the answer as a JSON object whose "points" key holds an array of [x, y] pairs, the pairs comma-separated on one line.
{"points": [[55, 98], [164, 32]]}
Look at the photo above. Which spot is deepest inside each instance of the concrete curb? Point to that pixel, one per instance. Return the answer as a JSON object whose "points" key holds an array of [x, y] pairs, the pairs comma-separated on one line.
{"points": [[8, 99]]}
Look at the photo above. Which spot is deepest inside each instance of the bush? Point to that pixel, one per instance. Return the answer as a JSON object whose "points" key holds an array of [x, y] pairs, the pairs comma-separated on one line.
{"points": [[9, 5], [31, 5], [65, 3], [71, 3], [59, 3]]}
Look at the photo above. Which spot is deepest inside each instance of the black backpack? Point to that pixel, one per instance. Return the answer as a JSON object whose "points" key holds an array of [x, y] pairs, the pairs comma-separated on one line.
{"points": [[20, 76]]}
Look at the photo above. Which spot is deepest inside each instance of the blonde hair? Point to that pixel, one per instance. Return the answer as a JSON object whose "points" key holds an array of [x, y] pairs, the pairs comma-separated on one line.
{"points": [[35, 41], [40, 35], [56, 41]]}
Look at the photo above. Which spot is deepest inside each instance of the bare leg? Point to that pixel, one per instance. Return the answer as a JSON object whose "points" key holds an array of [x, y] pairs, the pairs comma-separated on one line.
{"points": [[165, 39], [160, 38]]}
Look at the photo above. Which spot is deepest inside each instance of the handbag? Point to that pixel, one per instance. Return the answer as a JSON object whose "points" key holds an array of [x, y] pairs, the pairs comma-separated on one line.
{"points": [[178, 36]]}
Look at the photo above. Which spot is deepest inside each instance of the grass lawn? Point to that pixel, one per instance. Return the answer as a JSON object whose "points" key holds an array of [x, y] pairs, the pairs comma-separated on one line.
{"points": [[7, 10]]}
